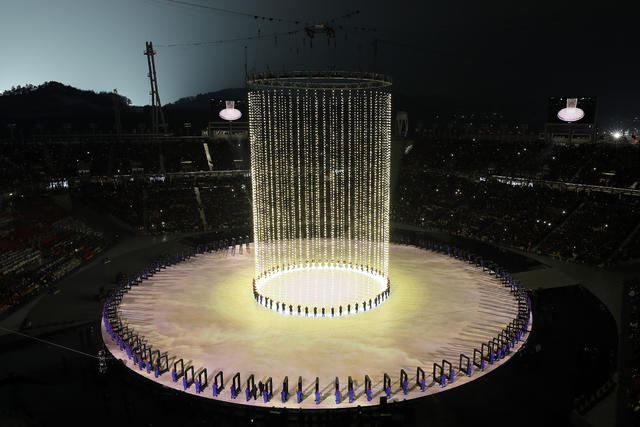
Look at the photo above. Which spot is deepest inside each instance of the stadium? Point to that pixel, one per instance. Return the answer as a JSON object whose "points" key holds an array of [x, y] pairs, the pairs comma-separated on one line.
{"points": [[324, 265], [319, 246]]}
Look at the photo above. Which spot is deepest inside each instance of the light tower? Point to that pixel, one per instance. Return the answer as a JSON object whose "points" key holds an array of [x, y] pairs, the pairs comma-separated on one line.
{"points": [[320, 160], [157, 116]]}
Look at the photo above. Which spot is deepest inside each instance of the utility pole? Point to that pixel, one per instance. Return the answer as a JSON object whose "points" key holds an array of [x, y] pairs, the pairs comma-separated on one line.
{"points": [[157, 116]]}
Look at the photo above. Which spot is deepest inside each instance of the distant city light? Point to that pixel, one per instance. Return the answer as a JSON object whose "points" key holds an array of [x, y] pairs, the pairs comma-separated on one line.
{"points": [[617, 134]]}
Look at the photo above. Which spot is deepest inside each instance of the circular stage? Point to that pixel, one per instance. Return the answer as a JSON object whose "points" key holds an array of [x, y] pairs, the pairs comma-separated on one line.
{"points": [[314, 289], [201, 310]]}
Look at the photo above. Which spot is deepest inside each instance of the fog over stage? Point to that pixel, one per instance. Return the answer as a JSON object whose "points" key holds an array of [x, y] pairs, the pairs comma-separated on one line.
{"points": [[202, 310]]}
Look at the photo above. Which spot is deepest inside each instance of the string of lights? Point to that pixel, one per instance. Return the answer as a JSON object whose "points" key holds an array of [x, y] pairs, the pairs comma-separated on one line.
{"points": [[320, 162]]}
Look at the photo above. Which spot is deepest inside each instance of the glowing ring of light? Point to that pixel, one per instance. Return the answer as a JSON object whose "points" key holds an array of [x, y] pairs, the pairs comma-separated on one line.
{"points": [[281, 306], [571, 114]]}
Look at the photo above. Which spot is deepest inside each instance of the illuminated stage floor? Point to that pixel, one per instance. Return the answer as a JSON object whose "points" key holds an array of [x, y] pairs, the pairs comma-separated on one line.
{"points": [[203, 311], [323, 287]]}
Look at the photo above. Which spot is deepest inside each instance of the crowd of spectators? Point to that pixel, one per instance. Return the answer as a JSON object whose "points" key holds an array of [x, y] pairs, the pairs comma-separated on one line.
{"points": [[67, 157], [444, 184], [586, 227], [170, 207], [39, 244], [604, 164], [226, 202], [178, 204], [458, 186], [596, 230], [184, 156], [632, 249], [449, 185], [46, 161]]}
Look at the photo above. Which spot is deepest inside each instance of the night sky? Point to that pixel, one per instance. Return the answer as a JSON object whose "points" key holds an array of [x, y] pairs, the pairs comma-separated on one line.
{"points": [[463, 55]]}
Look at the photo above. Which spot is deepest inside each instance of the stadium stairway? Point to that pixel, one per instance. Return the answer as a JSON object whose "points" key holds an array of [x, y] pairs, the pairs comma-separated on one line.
{"points": [[196, 190], [558, 227], [624, 243], [106, 222], [207, 155]]}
